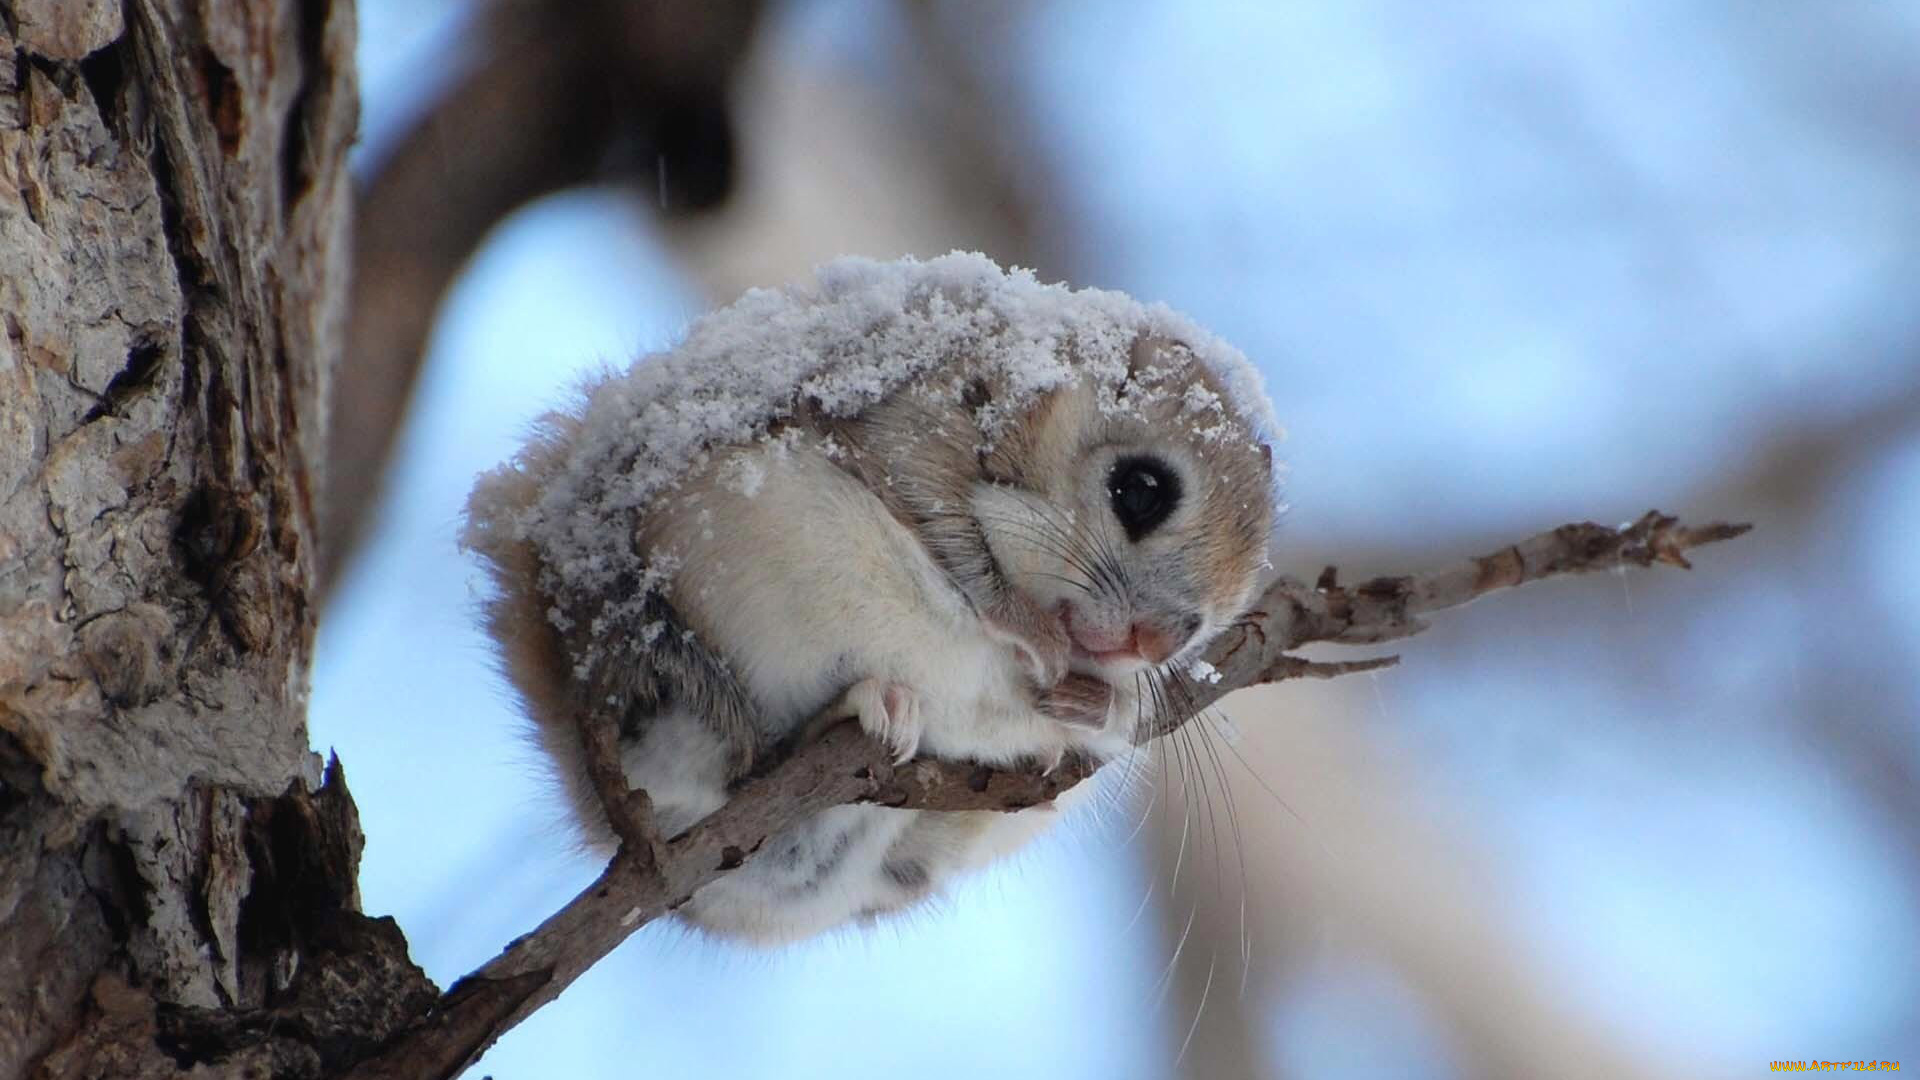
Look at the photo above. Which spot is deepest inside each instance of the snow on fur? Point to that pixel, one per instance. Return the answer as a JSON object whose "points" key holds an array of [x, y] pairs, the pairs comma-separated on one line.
{"points": [[858, 331]]}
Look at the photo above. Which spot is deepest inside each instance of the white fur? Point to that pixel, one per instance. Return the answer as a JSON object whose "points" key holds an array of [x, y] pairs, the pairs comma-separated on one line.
{"points": [[812, 585]]}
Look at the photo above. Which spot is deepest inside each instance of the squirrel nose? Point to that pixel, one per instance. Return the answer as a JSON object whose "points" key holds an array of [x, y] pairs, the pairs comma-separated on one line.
{"points": [[1154, 644], [1145, 639]]}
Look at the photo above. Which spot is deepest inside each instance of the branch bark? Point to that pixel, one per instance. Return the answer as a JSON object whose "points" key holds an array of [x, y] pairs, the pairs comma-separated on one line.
{"points": [[651, 879]]}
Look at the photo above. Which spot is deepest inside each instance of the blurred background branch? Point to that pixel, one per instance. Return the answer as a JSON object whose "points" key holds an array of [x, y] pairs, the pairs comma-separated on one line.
{"points": [[549, 95]]}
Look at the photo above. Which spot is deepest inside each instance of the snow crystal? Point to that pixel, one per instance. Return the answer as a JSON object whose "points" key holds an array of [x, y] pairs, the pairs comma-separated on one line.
{"points": [[1203, 671], [1200, 399], [835, 345], [745, 476]]}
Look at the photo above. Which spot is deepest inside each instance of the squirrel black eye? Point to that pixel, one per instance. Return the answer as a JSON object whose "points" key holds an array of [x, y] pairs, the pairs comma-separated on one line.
{"points": [[1144, 493]]}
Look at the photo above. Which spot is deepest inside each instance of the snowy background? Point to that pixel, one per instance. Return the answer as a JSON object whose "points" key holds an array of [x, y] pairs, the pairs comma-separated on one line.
{"points": [[1501, 268]]}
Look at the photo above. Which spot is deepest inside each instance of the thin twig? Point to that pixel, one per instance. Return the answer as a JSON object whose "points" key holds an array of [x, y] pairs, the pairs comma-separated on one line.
{"points": [[844, 766], [629, 810]]}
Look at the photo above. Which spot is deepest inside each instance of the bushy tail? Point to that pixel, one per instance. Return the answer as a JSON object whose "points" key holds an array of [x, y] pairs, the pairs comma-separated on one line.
{"points": [[532, 653]]}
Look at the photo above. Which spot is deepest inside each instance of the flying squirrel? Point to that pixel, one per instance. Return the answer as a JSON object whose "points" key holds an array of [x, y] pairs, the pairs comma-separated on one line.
{"points": [[986, 516]]}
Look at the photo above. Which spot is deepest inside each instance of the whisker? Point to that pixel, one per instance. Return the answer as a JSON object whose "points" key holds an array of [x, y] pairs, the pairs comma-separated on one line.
{"points": [[1106, 555], [1140, 735], [1210, 738], [1165, 982], [1198, 1011], [1193, 775], [1207, 774], [1193, 778], [1041, 524], [1246, 946], [1145, 900], [1186, 821], [1275, 795], [1061, 547], [1153, 798], [1063, 579], [1134, 741], [1100, 553]]}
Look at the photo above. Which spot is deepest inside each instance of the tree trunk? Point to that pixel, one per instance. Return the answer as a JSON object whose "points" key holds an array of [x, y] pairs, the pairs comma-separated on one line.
{"points": [[176, 883]]}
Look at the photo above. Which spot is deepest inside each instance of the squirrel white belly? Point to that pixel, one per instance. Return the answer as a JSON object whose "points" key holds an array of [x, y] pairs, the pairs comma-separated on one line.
{"points": [[987, 516], [846, 603]]}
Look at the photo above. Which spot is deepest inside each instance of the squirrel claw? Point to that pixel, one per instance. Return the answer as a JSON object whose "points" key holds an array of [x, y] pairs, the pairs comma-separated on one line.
{"points": [[889, 712], [1052, 760]]}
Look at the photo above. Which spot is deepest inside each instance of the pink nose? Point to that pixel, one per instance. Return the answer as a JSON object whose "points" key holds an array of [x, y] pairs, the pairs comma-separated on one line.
{"points": [[1142, 640], [1151, 643]]}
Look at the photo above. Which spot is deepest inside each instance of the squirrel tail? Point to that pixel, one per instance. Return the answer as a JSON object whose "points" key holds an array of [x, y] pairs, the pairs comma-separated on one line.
{"points": [[532, 652]]}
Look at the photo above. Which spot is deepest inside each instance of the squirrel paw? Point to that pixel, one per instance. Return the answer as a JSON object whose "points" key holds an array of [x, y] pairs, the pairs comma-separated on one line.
{"points": [[1077, 700], [1040, 642], [888, 711]]}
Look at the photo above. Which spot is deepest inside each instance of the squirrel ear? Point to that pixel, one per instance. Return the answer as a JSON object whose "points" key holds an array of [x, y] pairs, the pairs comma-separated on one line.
{"points": [[1266, 457]]}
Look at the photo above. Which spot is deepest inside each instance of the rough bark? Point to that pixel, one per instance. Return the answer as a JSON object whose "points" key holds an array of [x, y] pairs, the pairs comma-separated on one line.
{"points": [[172, 207]]}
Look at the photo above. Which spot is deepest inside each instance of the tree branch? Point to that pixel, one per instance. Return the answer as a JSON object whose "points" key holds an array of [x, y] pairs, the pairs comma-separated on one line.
{"points": [[844, 766], [554, 94]]}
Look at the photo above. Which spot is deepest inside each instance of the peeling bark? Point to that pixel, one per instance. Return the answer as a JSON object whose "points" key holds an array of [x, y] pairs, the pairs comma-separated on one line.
{"points": [[172, 214]]}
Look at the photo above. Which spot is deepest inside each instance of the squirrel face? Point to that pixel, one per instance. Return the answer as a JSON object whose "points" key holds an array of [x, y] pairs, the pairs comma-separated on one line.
{"points": [[1137, 515]]}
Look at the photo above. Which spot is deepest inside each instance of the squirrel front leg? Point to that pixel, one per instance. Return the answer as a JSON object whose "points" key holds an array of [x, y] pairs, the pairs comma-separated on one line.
{"points": [[1043, 645], [1032, 632], [1079, 700]]}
